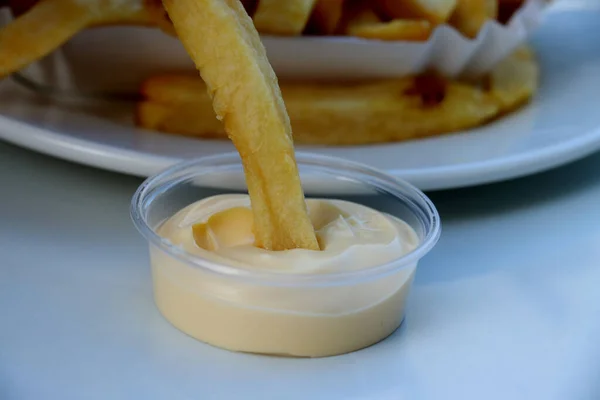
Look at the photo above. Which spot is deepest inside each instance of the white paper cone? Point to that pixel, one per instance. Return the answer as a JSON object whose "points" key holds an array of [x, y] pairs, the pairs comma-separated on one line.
{"points": [[117, 59]]}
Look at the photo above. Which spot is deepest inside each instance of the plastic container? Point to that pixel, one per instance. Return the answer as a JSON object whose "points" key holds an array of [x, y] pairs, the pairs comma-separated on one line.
{"points": [[302, 315]]}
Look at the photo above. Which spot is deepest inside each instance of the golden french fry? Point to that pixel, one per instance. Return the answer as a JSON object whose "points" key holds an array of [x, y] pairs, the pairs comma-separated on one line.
{"points": [[168, 88], [282, 17], [39, 31], [226, 48], [332, 114], [134, 12], [43, 28], [325, 18], [362, 21], [188, 118], [515, 80], [399, 29], [435, 11], [470, 15], [491, 7]]}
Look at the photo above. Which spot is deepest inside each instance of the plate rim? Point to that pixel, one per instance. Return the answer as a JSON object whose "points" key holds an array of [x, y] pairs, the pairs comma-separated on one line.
{"points": [[143, 164], [512, 166]]}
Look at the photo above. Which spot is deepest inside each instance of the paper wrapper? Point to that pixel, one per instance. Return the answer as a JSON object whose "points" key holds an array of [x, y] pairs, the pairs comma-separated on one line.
{"points": [[447, 51], [117, 59]]}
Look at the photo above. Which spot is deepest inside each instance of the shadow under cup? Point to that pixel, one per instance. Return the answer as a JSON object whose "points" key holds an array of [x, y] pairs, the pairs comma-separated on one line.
{"points": [[302, 315]]}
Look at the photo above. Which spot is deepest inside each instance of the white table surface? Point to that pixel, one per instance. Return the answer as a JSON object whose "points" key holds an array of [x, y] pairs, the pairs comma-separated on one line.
{"points": [[506, 307]]}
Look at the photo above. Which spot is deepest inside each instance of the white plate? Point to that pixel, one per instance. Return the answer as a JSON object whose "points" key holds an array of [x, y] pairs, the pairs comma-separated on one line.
{"points": [[561, 125]]}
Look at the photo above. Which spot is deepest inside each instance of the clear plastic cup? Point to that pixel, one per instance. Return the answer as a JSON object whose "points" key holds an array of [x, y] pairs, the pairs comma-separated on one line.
{"points": [[302, 315]]}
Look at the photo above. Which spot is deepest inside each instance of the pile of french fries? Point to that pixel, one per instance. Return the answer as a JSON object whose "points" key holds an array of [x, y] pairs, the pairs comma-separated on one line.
{"points": [[44, 25], [353, 113], [408, 20]]}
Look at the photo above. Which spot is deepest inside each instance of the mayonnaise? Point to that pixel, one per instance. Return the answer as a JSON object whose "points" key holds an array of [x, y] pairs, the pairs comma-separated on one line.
{"points": [[309, 319]]}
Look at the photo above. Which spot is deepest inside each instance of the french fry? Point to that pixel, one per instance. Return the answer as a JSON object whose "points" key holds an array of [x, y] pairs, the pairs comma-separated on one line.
{"points": [[226, 48], [168, 88], [399, 29], [362, 21], [470, 15], [492, 8], [331, 114], [131, 12], [282, 17], [435, 11], [41, 29], [515, 80], [188, 118], [325, 17]]}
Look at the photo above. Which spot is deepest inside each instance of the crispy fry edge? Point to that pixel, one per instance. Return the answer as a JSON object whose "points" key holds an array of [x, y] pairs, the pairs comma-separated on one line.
{"points": [[223, 43]]}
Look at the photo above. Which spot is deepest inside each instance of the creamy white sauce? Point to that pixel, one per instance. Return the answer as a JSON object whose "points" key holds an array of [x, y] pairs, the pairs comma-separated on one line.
{"points": [[352, 237], [307, 320]]}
